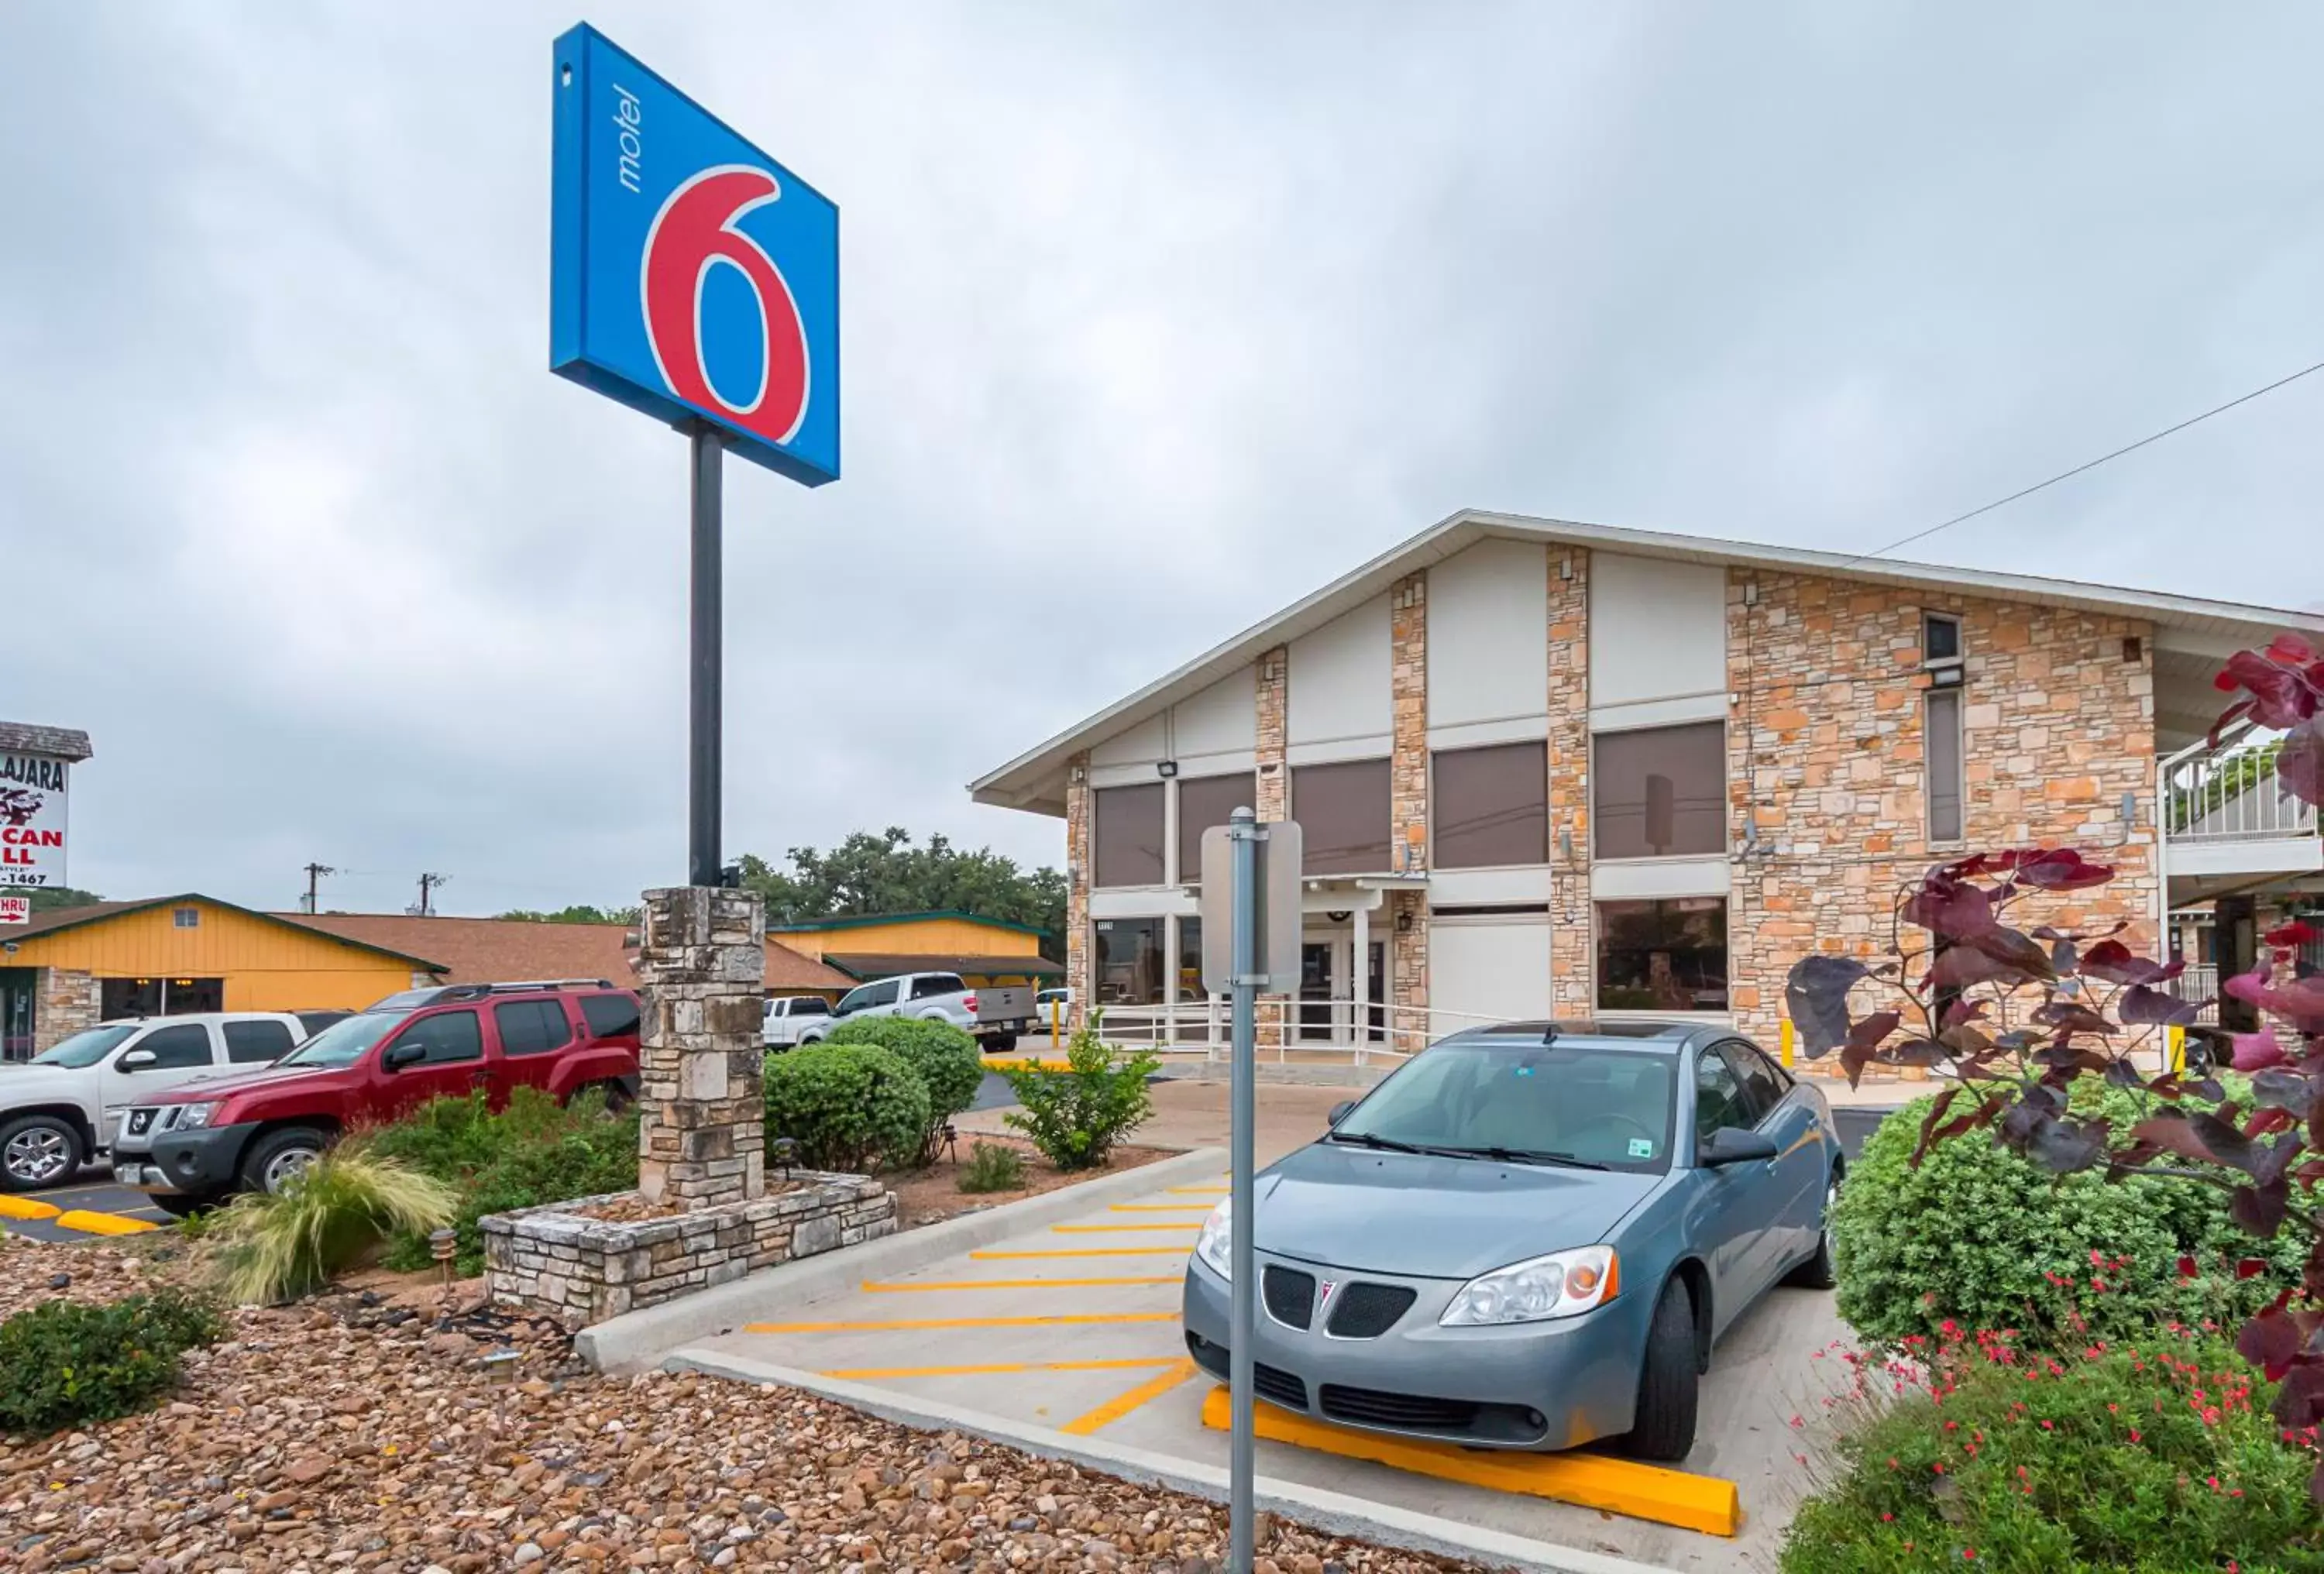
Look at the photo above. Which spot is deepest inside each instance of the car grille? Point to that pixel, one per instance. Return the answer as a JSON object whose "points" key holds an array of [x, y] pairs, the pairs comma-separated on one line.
{"points": [[1371, 1407], [1290, 1296], [1368, 1310], [1278, 1386]]}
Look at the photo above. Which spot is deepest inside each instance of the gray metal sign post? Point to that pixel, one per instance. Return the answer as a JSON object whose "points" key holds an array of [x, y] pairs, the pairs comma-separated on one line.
{"points": [[1250, 942], [706, 656]]}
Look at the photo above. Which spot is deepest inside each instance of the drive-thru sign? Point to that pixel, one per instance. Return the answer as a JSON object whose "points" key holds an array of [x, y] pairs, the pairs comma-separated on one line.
{"points": [[694, 278]]}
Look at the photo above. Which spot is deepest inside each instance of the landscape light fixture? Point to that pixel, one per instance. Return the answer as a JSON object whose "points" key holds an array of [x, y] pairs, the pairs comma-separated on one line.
{"points": [[786, 1154], [444, 1245]]}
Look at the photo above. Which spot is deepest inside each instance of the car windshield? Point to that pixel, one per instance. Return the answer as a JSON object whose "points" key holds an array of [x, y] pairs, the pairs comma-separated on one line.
{"points": [[343, 1042], [87, 1047], [1589, 1105]]}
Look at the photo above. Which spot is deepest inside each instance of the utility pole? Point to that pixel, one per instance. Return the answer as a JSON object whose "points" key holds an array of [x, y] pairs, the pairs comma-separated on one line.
{"points": [[316, 872], [429, 882]]}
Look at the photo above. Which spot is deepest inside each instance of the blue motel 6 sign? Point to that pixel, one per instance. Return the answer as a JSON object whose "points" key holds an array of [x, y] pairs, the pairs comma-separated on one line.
{"points": [[691, 275]]}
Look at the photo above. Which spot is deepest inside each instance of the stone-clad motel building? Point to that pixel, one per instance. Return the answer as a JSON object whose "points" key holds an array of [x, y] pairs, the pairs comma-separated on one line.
{"points": [[1562, 769]]}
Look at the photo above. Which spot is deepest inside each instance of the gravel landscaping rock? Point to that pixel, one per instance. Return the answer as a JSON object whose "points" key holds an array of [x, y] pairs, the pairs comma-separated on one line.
{"points": [[357, 1432]]}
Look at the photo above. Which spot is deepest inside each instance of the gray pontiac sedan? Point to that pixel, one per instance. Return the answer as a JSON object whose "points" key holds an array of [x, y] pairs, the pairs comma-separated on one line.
{"points": [[1530, 1236]]}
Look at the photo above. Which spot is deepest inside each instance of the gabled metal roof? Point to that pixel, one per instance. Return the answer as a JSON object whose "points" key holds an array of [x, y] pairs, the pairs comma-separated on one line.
{"points": [[2191, 628]]}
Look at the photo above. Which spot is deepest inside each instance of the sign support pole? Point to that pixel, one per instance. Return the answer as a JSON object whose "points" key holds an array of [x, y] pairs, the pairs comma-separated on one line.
{"points": [[707, 642], [1242, 829]]}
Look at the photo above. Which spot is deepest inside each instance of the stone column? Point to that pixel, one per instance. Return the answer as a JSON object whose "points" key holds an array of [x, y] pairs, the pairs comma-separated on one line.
{"points": [[1079, 877], [1407, 911], [1573, 959], [1274, 793], [703, 956]]}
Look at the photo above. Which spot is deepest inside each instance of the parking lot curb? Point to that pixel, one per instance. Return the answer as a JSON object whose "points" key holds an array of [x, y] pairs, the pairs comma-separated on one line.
{"points": [[1331, 1512], [637, 1341]]}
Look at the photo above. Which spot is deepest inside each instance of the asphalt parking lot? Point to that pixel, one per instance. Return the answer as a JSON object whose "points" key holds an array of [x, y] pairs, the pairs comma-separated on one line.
{"points": [[90, 1209]]}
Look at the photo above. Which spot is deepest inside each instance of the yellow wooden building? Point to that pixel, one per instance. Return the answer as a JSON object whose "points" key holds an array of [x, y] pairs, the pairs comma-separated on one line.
{"points": [[77, 966], [878, 945]]}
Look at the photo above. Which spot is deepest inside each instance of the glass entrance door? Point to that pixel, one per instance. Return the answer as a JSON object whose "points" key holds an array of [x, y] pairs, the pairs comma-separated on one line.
{"points": [[1315, 991]]}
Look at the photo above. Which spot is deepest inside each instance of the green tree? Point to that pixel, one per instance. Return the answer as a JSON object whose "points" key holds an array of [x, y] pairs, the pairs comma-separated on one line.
{"points": [[579, 913], [48, 898], [887, 873]]}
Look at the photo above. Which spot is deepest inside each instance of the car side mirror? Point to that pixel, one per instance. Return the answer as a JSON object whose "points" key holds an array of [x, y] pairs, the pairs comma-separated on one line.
{"points": [[134, 1060], [399, 1055], [1727, 1146], [1340, 1110]]}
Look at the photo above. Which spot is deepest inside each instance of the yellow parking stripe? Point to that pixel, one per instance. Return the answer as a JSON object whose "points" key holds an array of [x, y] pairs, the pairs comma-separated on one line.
{"points": [[1161, 1208], [1695, 1503], [1080, 1317], [1114, 1409], [90, 1223], [1113, 1228], [897, 1289], [26, 1208], [869, 1374], [1086, 1251]]}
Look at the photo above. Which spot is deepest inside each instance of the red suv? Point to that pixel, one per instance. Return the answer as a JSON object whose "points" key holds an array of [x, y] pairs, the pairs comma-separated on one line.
{"points": [[194, 1144]]}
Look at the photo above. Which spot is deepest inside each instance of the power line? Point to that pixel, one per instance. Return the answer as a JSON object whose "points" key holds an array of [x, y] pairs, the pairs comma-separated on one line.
{"points": [[2079, 469]]}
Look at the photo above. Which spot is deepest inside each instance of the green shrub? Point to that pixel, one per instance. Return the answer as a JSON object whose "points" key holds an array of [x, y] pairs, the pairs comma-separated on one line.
{"points": [[992, 1168], [64, 1364], [848, 1105], [1979, 1236], [533, 1152], [944, 1057], [2159, 1458], [270, 1246], [1076, 1114]]}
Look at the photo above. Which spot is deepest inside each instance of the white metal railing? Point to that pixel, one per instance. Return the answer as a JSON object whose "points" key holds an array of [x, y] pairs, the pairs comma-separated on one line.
{"points": [[1313, 1030], [2233, 795], [2200, 981]]}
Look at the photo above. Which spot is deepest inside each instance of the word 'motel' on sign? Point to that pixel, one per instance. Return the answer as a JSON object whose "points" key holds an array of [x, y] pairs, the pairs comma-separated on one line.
{"points": [[691, 276]]}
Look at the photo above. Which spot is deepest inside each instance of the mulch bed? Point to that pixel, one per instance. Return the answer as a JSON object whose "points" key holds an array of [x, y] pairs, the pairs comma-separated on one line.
{"points": [[931, 1195], [360, 1431]]}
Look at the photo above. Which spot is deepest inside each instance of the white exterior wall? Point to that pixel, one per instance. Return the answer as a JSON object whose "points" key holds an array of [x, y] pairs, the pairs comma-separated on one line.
{"points": [[1217, 731], [1338, 707], [1489, 645], [1487, 967], [1657, 634]]}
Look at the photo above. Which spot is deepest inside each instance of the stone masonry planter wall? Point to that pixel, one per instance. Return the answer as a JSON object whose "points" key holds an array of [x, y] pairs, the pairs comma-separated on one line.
{"points": [[554, 1259]]}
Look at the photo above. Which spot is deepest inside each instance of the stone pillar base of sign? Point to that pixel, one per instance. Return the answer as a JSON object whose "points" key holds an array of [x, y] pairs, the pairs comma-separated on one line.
{"points": [[702, 961], [564, 1260]]}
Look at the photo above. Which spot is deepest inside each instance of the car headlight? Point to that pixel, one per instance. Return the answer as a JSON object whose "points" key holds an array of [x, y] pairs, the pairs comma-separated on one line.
{"points": [[1215, 1245], [191, 1116], [1561, 1284]]}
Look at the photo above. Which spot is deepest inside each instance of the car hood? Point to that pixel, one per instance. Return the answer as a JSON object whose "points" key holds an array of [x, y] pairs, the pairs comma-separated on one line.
{"points": [[268, 1077], [1431, 1218], [19, 1082]]}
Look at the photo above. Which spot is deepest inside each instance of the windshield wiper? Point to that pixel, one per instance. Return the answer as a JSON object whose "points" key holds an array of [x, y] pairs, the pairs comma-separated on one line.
{"points": [[1365, 1139], [1525, 1155]]}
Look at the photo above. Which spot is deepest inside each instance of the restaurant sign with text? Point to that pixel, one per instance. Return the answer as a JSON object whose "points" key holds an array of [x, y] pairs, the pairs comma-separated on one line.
{"points": [[33, 804]]}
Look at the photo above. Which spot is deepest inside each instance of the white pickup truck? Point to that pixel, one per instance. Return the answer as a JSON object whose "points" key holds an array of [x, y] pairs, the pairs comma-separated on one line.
{"points": [[58, 1112], [787, 1021], [994, 1014]]}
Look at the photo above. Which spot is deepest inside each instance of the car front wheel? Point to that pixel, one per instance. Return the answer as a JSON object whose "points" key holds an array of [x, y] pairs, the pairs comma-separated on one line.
{"points": [[36, 1150], [1664, 1426], [281, 1157], [1818, 1272]]}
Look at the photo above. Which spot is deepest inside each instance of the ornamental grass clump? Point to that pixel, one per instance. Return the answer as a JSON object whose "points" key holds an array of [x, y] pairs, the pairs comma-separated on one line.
{"points": [[268, 1248]]}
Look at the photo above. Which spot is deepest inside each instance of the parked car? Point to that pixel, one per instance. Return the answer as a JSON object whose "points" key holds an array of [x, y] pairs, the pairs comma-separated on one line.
{"points": [[193, 1146], [1053, 1005], [994, 1014], [1530, 1236], [58, 1110], [786, 1019]]}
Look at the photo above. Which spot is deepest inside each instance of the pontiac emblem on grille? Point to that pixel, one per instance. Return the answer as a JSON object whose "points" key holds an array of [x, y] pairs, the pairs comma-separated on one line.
{"points": [[1324, 1288]]}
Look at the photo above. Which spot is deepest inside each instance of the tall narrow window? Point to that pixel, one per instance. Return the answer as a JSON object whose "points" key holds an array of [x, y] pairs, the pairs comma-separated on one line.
{"points": [[1129, 834], [1944, 749]]}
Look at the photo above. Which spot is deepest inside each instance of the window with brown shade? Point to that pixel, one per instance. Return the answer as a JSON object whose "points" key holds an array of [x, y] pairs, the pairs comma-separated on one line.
{"points": [[1204, 801], [1661, 792], [1344, 815], [1128, 834], [1490, 807], [1943, 755]]}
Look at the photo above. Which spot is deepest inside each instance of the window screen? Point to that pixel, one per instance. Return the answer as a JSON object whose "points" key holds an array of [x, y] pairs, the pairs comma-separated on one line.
{"points": [[256, 1043], [1490, 807], [610, 1015], [1945, 757], [1663, 955], [176, 1048], [1342, 812], [1128, 834], [532, 1026], [1204, 802], [1661, 791]]}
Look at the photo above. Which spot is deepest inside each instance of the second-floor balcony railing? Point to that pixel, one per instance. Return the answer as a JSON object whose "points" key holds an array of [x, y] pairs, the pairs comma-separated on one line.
{"points": [[2233, 795]]}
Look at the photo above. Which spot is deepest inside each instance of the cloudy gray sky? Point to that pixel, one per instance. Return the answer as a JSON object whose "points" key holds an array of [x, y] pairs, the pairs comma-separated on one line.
{"points": [[1157, 316]]}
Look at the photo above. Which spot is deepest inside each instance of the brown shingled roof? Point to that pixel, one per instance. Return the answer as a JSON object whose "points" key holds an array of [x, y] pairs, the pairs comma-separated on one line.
{"points": [[474, 951]]}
